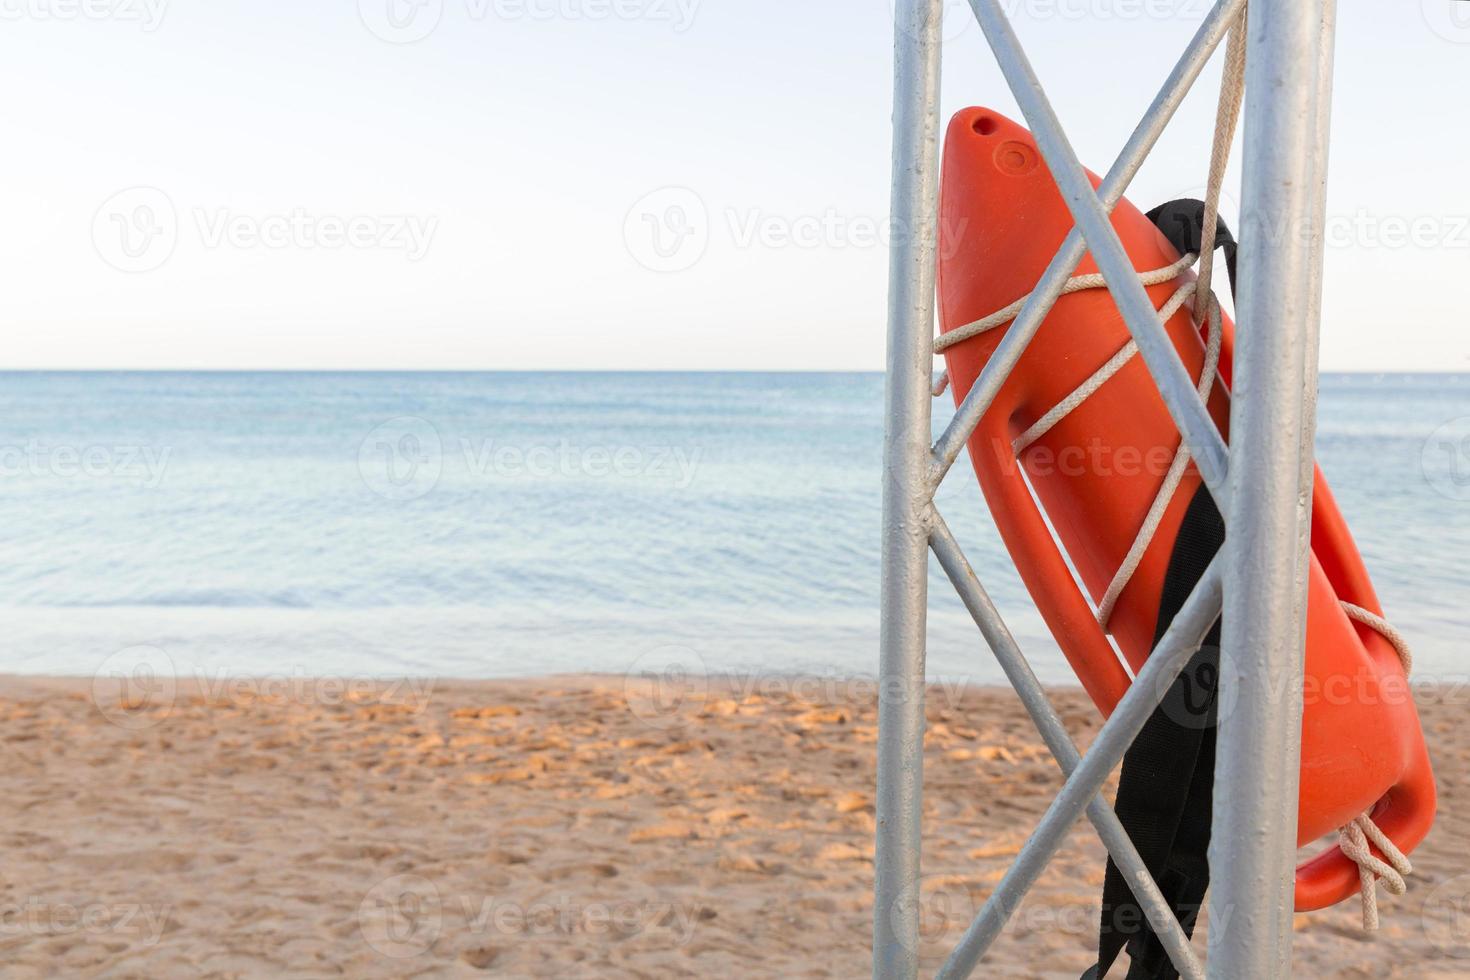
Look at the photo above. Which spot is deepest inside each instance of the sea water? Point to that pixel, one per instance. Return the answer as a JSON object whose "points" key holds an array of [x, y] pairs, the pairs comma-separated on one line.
{"points": [[523, 524]]}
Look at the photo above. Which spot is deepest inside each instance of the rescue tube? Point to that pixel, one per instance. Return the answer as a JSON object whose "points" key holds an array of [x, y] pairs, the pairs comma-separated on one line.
{"points": [[1096, 473]]}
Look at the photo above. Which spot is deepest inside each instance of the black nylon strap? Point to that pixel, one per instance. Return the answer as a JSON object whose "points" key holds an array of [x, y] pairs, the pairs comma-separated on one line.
{"points": [[1165, 789], [1183, 224]]}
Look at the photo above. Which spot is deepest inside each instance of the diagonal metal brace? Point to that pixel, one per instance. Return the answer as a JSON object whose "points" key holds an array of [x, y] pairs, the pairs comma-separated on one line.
{"points": [[1174, 383], [1179, 643], [1023, 328], [1155, 907]]}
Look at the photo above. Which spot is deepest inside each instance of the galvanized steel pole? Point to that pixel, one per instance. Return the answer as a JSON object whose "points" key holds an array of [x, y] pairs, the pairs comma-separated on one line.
{"points": [[906, 489], [1253, 850]]}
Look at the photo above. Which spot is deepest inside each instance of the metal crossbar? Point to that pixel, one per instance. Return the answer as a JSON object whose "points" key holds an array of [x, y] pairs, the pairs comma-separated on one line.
{"points": [[1062, 748], [1179, 643], [1174, 382], [1289, 77], [1018, 335]]}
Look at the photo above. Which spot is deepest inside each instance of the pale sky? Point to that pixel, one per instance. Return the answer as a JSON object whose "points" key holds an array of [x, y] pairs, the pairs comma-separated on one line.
{"points": [[610, 184]]}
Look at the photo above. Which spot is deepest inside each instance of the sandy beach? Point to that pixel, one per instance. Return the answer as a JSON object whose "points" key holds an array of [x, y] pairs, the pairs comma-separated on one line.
{"points": [[568, 827]]}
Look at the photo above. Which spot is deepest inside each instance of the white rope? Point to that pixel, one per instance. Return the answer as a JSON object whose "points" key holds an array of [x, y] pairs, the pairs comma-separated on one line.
{"points": [[1382, 626], [1172, 479], [1354, 838], [1095, 381], [1227, 114], [1005, 315], [1177, 467], [1114, 364], [1206, 307]]}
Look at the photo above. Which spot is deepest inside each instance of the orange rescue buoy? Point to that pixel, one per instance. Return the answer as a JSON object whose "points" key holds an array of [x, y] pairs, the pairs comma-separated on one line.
{"points": [[1095, 474]]}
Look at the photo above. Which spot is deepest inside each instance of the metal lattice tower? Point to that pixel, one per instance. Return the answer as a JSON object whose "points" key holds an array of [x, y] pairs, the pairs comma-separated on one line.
{"points": [[1262, 484]]}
